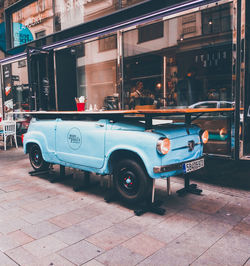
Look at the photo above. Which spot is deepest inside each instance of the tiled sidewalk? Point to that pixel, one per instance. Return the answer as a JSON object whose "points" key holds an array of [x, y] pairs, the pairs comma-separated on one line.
{"points": [[49, 224]]}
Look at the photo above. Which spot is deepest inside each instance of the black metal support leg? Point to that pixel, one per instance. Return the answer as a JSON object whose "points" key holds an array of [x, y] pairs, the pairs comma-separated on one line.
{"points": [[54, 178], [82, 183], [153, 207], [150, 205], [110, 193], [188, 188]]}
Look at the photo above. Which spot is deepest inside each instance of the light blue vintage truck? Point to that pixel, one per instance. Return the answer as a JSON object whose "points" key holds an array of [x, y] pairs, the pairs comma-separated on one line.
{"points": [[127, 145]]}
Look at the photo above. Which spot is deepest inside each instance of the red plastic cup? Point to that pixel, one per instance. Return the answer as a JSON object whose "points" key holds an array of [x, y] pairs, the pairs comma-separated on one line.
{"points": [[80, 106], [0, 119]]}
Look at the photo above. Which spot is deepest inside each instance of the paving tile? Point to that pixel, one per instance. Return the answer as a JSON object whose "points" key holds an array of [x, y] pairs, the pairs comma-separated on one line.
{"points": [[237, 240], [13, 213], [40, 230], [120, 256], [143, 245], [44, 246], [107, 239], [226, 216], [53, 260], [38, 216], [59, 209], [128, 228], [22, 257], [12, 225], [243, 228], [6, 261], [150, 219], [193, 214], [115, 235], [247, 219], [171, 228], [20, 237], [247, 263], [171, 255], [6, 243], [66, 220], [93, 262], [72, 234], [223, 254], [208, 232], [207, 205], [96, 224], [117, 215], [80, 252]]}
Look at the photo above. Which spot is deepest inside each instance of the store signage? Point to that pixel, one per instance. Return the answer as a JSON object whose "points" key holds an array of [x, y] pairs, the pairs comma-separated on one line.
{"points": [[21, 34], [74, 138], [33, 21]]}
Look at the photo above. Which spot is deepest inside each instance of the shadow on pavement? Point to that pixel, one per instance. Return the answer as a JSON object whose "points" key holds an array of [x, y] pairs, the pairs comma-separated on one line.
{"points": [[227, 173]]}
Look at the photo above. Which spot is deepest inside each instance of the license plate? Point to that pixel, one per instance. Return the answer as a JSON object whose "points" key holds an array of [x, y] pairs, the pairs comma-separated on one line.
{"points": [[193, 166]]}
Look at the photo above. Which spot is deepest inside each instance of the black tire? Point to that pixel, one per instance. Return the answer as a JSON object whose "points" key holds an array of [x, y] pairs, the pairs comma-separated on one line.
{"points": [[131, 181], [36, 159]]}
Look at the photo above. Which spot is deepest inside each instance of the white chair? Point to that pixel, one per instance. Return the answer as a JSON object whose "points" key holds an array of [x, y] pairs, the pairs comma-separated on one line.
{"points": [[8, 129]]}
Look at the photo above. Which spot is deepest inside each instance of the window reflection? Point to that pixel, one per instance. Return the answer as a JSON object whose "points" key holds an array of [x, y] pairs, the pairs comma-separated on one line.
{"points": [[181, 61], [16, 88], [96, 73], [32, 22], [74, 12]]}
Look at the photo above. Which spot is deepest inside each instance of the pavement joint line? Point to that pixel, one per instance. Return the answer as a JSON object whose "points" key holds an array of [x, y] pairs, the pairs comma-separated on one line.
{"points": [[246, 261], [11, 258], [211, 245]]}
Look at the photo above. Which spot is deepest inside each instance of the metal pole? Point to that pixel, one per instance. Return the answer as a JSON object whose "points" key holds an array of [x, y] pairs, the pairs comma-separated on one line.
{"points": [[164, 80], [238, 83]]}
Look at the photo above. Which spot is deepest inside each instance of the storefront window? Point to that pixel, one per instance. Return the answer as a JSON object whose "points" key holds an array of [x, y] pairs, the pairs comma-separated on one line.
{"points": [[15, 86], [180, 61], [97, 73], [185, 61], [34, 21], [74, 12], [94, 63]]}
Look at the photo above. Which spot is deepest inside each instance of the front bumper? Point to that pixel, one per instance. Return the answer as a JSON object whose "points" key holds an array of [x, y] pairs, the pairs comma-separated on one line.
{"points": [[173, 167]]}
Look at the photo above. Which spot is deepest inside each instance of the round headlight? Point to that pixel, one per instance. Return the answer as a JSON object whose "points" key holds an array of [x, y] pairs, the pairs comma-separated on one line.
{"points": [[205, 137], [163, 146]]}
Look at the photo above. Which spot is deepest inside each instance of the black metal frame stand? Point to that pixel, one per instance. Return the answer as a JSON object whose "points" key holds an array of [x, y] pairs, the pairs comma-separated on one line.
{"points": [[84, 182], [51, 174], [188, 188]]}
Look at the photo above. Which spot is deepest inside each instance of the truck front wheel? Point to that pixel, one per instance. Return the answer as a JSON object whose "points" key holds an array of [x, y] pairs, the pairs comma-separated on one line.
{"points": [[36, 158], [131, 181]]}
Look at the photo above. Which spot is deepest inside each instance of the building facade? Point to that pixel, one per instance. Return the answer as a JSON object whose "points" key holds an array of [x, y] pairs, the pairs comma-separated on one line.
{"points": [[175, 53]]}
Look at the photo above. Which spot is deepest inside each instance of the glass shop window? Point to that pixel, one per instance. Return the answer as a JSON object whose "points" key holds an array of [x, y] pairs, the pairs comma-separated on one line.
{"points": [[70, 13], [15, 87], [97, 73], [176, 63], [108, 43], [31, 20], [184, 62], [216, 20], [150, 32]]}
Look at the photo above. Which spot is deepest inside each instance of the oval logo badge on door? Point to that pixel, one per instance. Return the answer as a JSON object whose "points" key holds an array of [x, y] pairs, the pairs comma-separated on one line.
{"points": [[74, 138]]}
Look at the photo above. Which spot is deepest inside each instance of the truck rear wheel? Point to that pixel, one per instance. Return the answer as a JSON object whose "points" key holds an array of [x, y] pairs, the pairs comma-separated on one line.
{"points": [[36, 158], [131, 181]]}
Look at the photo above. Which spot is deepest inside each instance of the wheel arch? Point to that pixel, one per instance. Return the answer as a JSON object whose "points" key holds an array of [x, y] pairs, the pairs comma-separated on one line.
{"points": [[120, 154]]}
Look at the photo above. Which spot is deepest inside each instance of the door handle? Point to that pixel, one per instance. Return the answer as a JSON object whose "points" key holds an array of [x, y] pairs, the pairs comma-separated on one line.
{"points": [[99, 125]]}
